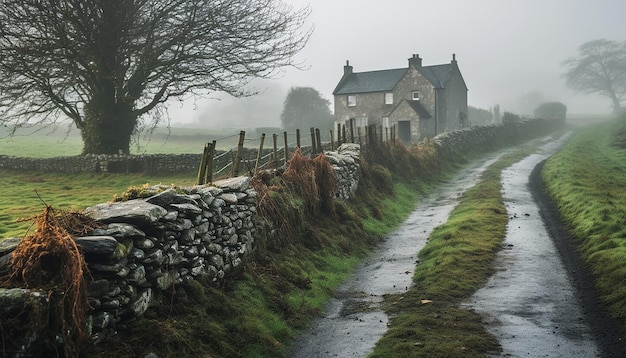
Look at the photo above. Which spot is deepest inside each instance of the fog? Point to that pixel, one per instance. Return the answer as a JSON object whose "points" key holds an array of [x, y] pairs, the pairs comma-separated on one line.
{"points": [[509, 52]]}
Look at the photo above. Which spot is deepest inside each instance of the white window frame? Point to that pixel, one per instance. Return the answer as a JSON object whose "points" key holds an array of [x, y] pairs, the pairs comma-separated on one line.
{"points": [[415, 95], [385, 122], [388, 97], [351, 99]]}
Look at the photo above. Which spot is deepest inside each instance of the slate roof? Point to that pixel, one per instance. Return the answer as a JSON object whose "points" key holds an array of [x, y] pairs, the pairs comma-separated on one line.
{"points": [[437, 74], [386, 80], [419, 109], [372, 81]]}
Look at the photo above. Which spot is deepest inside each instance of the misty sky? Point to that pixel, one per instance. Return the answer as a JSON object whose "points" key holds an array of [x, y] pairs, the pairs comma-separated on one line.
{"points": [[509, 51]]}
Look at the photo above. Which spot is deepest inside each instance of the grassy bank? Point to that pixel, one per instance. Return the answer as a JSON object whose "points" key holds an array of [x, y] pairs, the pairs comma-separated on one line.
{"points": [[587, 180], [427, 321]]}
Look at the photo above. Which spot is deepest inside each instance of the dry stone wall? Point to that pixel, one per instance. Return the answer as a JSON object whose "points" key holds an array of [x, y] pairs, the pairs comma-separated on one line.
{"points": [[148, 245], [162, 163], [174, 235], [145, 246]]}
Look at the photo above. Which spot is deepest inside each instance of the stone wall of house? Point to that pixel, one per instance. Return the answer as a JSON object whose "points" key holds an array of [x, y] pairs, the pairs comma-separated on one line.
{"points": [[456, 102], [173, 235]]}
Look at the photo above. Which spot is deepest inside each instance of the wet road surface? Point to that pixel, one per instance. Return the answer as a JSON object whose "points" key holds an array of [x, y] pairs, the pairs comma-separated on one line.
{"points": [[531, 304], [535, 305], [353, 321]]}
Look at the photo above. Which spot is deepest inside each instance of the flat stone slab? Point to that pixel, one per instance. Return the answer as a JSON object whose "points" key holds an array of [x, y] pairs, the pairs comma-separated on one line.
{"points": [[132, 210]]}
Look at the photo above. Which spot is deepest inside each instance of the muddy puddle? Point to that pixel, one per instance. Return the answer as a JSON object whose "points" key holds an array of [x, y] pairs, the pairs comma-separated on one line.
{"points": [[353, 322]]}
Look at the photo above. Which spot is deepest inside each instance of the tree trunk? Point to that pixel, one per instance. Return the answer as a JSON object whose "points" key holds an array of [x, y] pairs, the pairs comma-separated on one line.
{"points": [[107, 127], [617, 105]]}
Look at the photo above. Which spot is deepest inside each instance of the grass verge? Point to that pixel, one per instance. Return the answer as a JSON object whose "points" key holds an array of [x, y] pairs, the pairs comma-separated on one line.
{"points": [[587, 180], [427, 320]]}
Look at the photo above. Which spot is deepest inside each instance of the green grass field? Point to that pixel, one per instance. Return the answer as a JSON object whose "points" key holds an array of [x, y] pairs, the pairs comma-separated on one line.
{"points": [[22, 193], [48, 142]]}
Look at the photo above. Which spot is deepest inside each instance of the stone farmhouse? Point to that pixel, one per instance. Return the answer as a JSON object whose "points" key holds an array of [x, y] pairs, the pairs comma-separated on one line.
{"points": [[421, 101]]}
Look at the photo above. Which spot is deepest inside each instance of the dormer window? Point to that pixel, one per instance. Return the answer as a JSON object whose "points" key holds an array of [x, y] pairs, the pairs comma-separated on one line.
{"points": [[351, 101], [415, 96], [389, 98]]}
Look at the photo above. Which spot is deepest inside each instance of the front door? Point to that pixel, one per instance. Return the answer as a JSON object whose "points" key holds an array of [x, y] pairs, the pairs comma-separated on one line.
{"points": [[404, 131]]}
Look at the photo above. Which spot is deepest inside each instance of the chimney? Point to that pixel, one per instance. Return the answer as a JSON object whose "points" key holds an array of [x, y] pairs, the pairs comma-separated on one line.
{"points": [[453, 58], [347, 69], [415, 61]]}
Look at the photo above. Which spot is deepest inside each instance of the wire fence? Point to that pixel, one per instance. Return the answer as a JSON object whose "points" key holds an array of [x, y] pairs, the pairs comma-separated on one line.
{"points": [[251, 155]]}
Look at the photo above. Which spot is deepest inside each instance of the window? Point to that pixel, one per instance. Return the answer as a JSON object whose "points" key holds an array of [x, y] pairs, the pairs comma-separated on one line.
{"points": [[385, 122], [351, 101], [389, 98], [415, 96]]}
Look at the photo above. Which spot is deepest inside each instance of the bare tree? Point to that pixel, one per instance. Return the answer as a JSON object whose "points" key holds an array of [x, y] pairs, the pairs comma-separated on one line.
{"points": [[600, 68], [105, 64]]}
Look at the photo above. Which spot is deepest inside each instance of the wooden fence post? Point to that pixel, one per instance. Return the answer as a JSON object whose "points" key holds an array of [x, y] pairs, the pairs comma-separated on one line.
{"points": [[259, 154], [352, 130], [318, 141], [313, 149], [202, 167], [358, 132], [332, 141], [237, 160], [209, 164], [275, 150], [343, 133], [381, 134], [338, 134], [286, 147], [298, 138]]}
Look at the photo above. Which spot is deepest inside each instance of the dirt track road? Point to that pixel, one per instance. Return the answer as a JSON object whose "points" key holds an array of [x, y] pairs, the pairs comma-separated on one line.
{"points": [[354, 321], [540, 303]]}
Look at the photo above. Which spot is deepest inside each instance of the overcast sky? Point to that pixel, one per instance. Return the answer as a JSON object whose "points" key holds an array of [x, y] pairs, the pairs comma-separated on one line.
{"points": [[509, 51]]}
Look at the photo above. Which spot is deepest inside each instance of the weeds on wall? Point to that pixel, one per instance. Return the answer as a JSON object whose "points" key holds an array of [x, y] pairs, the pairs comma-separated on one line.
{"points": [[306, 188]]}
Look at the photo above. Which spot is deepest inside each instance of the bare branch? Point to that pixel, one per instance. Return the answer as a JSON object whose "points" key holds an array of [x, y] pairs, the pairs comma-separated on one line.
{"points": [[59, 58]]}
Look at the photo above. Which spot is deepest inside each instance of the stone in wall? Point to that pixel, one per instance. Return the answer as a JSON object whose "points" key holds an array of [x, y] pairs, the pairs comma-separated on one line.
{"points": [[345, 162]]}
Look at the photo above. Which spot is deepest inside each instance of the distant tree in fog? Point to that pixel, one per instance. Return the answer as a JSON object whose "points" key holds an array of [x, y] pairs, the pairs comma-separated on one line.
{"points": [[551, 110], [304, 108], [106, 64], [599, 68], [479, 116], [509, 117]]}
